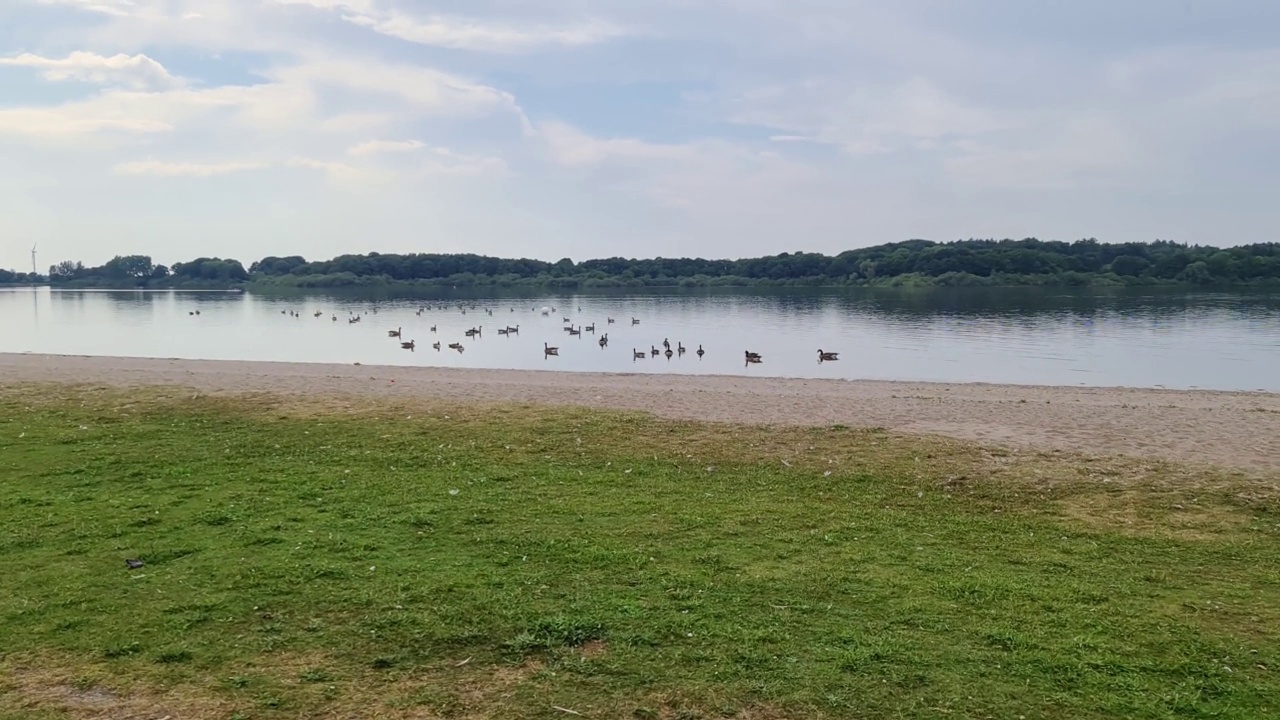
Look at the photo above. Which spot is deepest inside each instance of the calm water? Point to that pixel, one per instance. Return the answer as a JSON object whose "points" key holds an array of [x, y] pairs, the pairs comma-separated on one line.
{"points": [[1141, 338]]}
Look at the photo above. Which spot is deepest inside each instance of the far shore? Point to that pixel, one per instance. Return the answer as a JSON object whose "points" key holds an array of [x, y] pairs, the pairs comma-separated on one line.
{"points": [[1238, 430]]}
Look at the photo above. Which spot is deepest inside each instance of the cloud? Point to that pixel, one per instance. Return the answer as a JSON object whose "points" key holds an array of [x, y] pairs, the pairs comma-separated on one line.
{"points": [[385, 146], [864, 119], [262, 106], [675, 126], [132, 71], [172, 169], [75, 120], [424, 90], [570, 146], [465, 33], [104, 7]]}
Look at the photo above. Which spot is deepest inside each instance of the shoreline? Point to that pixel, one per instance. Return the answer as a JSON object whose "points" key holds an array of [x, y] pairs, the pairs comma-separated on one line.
{"points": [[1233, 429]]}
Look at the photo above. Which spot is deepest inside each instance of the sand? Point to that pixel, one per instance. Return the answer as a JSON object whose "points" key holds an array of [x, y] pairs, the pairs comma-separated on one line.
{"points": [[1230, 429]]}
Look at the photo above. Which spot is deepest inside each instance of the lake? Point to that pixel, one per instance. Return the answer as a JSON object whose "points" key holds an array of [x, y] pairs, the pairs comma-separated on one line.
{"points": [[1105, 337]]}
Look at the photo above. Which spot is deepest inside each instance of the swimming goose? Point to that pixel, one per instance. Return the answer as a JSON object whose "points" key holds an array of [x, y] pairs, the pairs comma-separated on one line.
{"points": [[548, 350], [393, 333], [827, 355]]}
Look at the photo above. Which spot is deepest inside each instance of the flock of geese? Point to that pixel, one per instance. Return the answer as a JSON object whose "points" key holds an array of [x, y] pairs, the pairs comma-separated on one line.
{"points": [[548, 349]]}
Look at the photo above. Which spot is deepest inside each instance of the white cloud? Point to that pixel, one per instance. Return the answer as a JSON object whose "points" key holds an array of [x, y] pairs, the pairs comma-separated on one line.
{"points": [[105, 7], [263, 106], [1084, 152], [465, 33], [570, 146], [442, 161], [426, 90], [134, 71], [172, 169], [371, 147], [339, 172], [716, 128], [75, 120], [864, 119]]}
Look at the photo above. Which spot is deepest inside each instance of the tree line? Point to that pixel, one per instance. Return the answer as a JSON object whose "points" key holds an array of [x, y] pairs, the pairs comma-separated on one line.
{"points": [[914, 262]]}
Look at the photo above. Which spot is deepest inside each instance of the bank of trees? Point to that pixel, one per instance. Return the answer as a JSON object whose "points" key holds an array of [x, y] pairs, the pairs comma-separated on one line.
{"points": [[132, 271], [914, 262]]}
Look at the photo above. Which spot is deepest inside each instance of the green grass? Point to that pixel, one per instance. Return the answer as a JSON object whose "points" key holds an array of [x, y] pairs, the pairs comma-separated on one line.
{"points": [[348, 558]]}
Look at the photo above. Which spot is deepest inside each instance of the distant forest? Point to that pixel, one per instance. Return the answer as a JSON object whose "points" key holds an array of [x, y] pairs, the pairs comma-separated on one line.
{"points": [[903, 264]]}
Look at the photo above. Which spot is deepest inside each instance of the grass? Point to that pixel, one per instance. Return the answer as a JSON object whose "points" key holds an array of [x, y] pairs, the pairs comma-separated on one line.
{"points": [[343, 558]]}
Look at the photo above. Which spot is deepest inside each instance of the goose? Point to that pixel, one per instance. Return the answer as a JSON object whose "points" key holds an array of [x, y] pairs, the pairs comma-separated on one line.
{"points": [[318, 314], [335, 318], [637, 354], [435, 345], [635, 321], [604, 340], [433, 328], [666, 343], [610, 320], [513, 330], [455, 346], [753, 356], [590, 328], [751, 360], [393, 333], [192, 313], [668, 353], [548, 350], [653, 350], [567, 320], [701, 352], [502, 331], [827, 355], [409, 345], [680, 348], [577, 332]]}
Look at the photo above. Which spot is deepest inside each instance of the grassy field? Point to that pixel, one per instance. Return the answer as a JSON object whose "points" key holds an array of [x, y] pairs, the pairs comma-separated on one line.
{"points": [[346, 558]]}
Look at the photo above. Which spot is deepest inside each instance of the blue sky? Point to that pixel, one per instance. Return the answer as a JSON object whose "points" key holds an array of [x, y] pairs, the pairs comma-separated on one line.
{"points": [[554, 128]]}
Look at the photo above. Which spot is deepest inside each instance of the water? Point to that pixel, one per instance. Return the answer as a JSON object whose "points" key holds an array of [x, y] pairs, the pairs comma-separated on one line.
{"points": [[1129, 337]]}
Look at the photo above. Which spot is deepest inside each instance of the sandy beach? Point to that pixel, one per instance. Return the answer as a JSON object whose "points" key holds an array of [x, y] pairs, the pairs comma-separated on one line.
{"points": [[1237, 430]]}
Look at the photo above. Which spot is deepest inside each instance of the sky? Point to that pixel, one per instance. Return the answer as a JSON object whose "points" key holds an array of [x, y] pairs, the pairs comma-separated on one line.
{"points": [[568, 128]]}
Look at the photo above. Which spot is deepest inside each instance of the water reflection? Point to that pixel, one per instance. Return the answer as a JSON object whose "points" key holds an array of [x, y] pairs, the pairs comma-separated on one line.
{"points": [[1137, 337]]}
